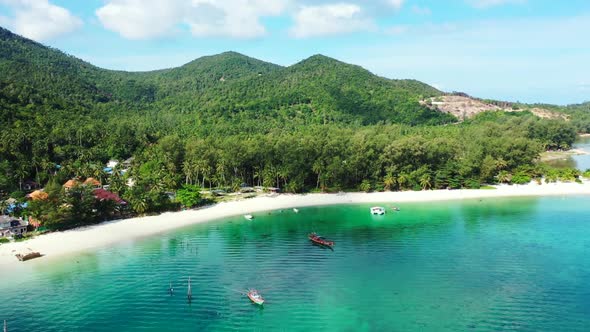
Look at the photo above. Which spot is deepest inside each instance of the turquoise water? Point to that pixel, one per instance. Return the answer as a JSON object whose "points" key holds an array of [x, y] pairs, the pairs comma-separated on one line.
{"points": [[490, 265]]}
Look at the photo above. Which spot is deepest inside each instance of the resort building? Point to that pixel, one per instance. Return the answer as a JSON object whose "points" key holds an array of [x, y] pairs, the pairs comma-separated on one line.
{"points": [[10, 227], [92, 182], [71, 183]]}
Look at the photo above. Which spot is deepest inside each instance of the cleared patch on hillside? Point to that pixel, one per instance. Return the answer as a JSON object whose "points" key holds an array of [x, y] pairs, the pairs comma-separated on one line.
{"points": [[464, 107]]}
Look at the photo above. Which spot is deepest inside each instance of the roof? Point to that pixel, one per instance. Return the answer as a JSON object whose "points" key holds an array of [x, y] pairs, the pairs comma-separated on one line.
{"points": [[92, 182], [38, 195], [102, 194], [71, 183]]}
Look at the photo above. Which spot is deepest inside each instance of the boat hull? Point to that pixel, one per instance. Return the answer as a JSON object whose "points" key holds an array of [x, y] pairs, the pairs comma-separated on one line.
{"points": [[255, 300], [319, 241]]}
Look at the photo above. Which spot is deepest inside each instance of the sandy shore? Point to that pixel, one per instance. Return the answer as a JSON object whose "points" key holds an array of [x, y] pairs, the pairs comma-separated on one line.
{"points": [[61, 243]]}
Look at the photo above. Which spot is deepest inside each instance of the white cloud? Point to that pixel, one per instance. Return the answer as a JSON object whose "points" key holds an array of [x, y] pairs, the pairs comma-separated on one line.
{"points": [[144, 19], [39, 19], [397, 4], [233, 18], [330, 19], [482, 4]]}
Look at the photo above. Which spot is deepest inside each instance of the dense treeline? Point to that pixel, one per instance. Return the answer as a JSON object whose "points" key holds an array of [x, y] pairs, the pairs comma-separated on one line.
{"points": [[580, 115]]}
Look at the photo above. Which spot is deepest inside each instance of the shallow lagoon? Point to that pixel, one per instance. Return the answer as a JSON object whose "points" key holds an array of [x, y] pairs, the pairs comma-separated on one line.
{"points": [[482, 265]]}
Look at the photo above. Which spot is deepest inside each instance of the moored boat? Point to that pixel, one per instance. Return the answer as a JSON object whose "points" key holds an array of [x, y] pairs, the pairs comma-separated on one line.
{"points": [[28, 256], [378, 210], [255, 297], [313, 237], [295, 210], [249, 217]]}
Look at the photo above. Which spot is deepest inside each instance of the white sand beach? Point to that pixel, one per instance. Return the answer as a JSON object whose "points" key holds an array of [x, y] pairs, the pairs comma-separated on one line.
{"points": [[62, 243]]}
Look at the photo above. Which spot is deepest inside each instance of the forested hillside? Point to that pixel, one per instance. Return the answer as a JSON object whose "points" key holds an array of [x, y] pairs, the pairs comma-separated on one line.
{"points": [[229, 119]]}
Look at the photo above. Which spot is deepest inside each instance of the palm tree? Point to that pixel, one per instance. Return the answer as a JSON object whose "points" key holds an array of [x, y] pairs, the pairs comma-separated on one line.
{"points": [[402, 180], [140, 205], [501, 164], [504, 177], [425, 181], [389, 181]]}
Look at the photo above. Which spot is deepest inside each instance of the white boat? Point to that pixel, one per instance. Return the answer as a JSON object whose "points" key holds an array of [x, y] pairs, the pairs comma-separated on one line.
{"points": [[295, 210], [378, 210], [249, 216]]}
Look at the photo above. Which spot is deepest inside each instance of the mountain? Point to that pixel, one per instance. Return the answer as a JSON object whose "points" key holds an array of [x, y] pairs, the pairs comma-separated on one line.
{"points": [[318, 89], [32, 73]]}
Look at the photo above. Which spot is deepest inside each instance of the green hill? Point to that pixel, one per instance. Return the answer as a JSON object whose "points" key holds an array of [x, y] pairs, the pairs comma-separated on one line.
{"points": [[318, 89]]}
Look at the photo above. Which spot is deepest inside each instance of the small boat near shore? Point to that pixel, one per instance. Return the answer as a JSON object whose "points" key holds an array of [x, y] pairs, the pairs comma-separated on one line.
{"points": [[316, 239], [295, 210], [378, 210], [26, 257], [255, 297], [249, 217]]}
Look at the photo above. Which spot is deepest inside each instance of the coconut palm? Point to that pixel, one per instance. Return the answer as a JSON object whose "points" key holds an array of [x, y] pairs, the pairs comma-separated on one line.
{"points": [[403, 180], [425, 181], [389, 181]]}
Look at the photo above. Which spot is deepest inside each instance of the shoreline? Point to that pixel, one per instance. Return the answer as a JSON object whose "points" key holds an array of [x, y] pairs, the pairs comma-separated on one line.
{"points": [[58, 244]]}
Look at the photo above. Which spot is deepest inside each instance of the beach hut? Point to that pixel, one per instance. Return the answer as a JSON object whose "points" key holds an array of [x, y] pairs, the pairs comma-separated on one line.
{"points": [[71, 183], [38, 195], [92, 182]]}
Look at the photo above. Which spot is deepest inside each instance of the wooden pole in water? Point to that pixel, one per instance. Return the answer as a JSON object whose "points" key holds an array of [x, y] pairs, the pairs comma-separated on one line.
{"points": [[190, 292]]}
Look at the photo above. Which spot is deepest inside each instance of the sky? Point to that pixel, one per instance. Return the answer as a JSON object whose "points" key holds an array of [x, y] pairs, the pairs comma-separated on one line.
{"points": [[516, 50]]}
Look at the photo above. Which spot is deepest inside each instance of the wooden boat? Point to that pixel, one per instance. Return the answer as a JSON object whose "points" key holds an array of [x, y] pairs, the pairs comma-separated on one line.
{"points": [[313, 237], [378, 210], [189, 293], [255, 297], [249, 217], [28, 256]]}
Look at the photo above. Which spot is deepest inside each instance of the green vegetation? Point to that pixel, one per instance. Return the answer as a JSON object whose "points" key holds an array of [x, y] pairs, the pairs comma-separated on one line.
{"points": [[189, 195], [226, 120], [580, 115]]}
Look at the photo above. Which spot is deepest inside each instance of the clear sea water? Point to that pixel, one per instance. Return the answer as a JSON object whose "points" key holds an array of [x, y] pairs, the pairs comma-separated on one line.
{"points": [[482, 265], [581, 162]]}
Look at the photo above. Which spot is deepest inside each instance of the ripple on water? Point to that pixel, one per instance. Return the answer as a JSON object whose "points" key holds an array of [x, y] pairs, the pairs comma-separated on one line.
{"points": [[445, 266]]}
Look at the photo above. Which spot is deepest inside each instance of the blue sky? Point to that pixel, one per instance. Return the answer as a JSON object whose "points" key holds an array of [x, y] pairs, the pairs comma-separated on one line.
{"points": [[518, 50]]}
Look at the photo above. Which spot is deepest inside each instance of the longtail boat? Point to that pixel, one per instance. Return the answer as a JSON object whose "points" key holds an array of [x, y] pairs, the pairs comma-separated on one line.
{"points": [[313, 237], [28, 256], [255, 297], [189, 293]]}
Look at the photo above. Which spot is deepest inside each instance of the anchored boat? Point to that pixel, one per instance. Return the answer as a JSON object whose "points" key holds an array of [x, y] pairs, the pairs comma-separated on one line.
{"points": [[378, 210], [28, 256], [313, 237], [249, 217], [255, 297]]}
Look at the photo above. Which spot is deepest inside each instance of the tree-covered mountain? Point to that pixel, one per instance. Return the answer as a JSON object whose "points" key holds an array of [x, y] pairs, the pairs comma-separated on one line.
{"points": [[213, 86]]}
